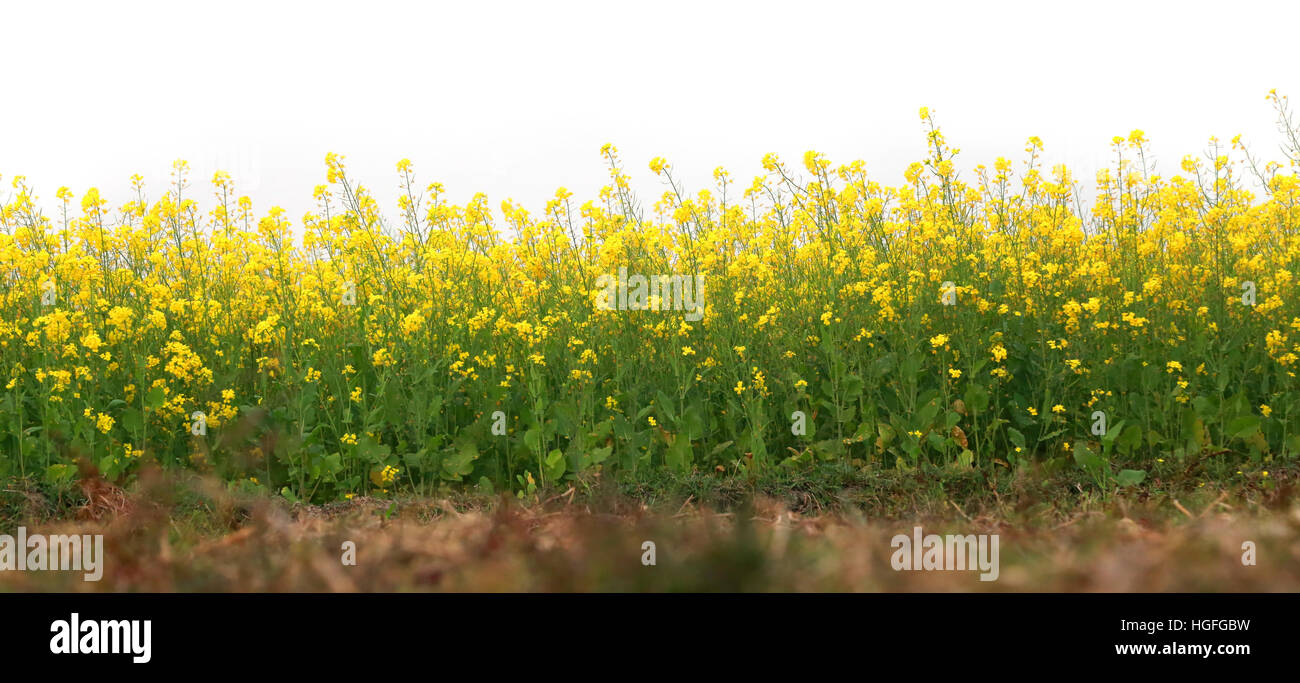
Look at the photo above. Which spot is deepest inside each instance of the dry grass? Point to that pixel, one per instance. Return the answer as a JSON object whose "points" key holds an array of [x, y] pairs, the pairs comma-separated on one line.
{"points": [[439, 545]]}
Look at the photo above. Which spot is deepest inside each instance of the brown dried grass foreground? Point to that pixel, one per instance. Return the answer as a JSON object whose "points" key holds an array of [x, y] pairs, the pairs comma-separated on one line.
{"points": [[228, 543]]}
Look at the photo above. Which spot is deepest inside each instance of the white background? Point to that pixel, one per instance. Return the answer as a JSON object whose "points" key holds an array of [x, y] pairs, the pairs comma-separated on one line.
{"points": [[515, 98]]}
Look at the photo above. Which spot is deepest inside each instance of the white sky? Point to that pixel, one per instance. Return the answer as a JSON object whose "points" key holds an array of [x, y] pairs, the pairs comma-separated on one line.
{"points": [[515, 98]]}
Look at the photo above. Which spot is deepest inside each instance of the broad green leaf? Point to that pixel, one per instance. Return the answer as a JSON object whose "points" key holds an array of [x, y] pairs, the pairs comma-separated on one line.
{"points": [[1130, 477], [460, 463], [1243, 427], [977, 398], [155, 398]]}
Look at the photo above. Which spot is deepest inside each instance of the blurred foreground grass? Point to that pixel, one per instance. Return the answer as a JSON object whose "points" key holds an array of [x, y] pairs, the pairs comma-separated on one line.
{"points": [[195, 534]]}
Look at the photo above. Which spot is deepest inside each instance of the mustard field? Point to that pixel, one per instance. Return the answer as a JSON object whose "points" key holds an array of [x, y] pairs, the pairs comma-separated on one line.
{"points": [[987, 318]]}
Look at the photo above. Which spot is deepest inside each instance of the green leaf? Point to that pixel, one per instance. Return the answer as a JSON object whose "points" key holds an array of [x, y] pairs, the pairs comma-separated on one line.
{"points": [[1016, 437], [1203, 407], [155, 398], [1243, 427], [887, 433], [665, 405], [1111, 434], [59, 474], [460, 463], [1050, 435], [595, 456], [1108, 439], [372, 451], [1085, 458], [1130, 477], [678, 457], [1129, 438], [555, 465], [132, 420], [533, 439], [925, 416], [977, 398]]}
